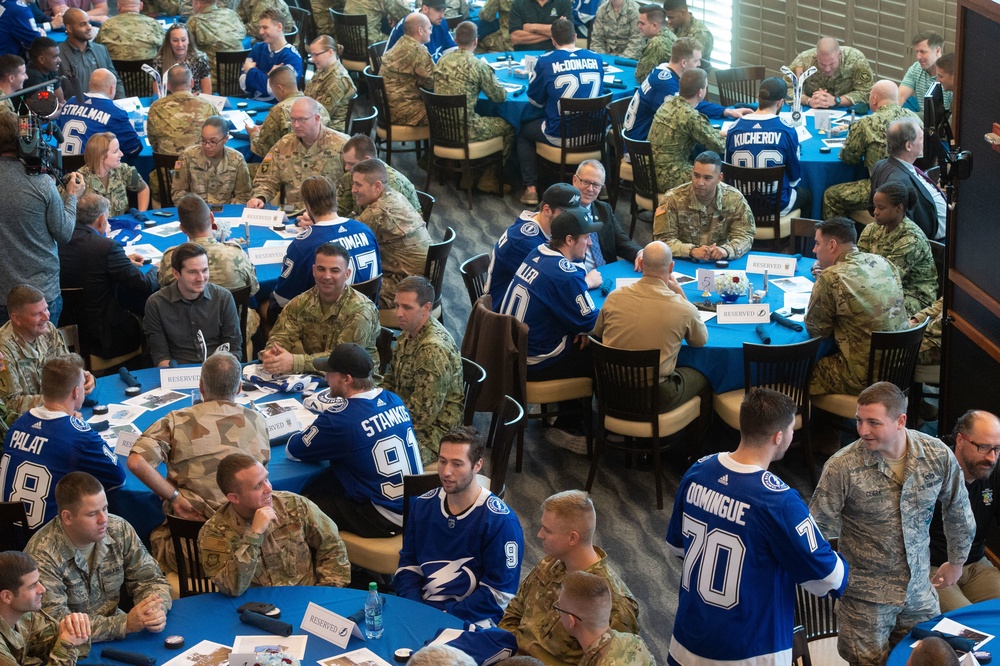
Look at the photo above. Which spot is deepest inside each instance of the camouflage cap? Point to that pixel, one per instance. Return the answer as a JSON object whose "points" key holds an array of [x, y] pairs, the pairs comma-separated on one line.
{"points": [[347, 358]]}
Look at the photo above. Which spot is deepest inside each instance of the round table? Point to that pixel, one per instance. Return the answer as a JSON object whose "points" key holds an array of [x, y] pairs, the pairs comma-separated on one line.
{"points": [[213, 617], [721, 360], [984, 617]]}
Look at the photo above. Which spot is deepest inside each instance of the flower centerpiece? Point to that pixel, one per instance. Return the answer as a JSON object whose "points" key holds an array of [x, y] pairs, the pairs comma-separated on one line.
{"points": [[730, 286], [272, 658]]}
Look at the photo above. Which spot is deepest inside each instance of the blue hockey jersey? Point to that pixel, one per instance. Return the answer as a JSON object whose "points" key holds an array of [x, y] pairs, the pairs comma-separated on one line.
{"points": [[92, 114], [468, 565], [17, 28], [549, 294], [514, 245], [357, 238], [758, 141], [441, 40], [565, 72], [254, 82], [41, 448], [369, 442], [746, 539], [650, 96]]}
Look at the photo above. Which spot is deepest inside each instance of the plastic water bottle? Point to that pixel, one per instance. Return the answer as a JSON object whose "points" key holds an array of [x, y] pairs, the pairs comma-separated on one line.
{"points": [[373, 613]]}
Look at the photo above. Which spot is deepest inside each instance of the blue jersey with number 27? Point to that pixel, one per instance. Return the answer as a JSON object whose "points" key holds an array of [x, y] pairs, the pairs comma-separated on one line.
{"points": [[565, 72]]}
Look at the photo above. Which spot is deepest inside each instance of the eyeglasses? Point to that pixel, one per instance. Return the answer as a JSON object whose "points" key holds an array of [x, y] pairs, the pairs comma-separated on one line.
{"points": [[982, 448], [313, 56], [211, 142], [589, 183], [561, 610], [301, 120]]}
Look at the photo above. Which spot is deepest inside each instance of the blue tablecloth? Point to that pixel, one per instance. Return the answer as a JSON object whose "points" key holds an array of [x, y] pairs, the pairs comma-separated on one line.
{"points": [[138, 504], [213, 617], [983, 617], [721, 360]]}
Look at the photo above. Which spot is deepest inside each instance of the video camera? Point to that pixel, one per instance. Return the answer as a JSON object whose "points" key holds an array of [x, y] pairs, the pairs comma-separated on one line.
{"points": [[38, 134]]}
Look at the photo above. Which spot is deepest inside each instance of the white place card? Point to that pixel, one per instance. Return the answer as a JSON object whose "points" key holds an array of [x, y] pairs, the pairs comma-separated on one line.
{"points": [[129, 104], [281, 425], [822, 120], [706, 279], [775, 266], [745, 313], [180, 378], [329, 626], [147, 251], [262, 217], [126, 440], [218, 102], [262, 256], [624, 282]]}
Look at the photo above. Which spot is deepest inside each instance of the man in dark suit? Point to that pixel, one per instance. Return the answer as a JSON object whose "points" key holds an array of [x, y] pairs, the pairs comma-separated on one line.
{"points": [[904, 142], [97, 264], [612, 241]]}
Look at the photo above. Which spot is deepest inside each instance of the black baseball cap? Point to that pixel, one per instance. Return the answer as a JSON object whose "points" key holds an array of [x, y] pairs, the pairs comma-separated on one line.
{"points": [[346, 358], [573, 222], [772, 89], [435, 4], [561, 195]]}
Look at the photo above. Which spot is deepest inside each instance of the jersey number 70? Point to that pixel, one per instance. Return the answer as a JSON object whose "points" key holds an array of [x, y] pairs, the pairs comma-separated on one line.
{"points": [[721, 554]]}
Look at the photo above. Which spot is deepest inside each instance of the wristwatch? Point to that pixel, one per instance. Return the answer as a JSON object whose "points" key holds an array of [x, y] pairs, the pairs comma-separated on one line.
{"points": [[836, 101]]}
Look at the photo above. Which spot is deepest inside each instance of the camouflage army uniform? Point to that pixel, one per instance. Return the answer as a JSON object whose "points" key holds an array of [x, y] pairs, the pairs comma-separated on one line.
{"points": [[353, 318], [278, 123], [882, 523], [655, 52], [426, 372], [615, 33], [462, 73], [535, 624], [121, 180], [376, 10], [22, 389], [333, 89], [675, 131], [7, 105], [34, 641], [397, 181], [616, 648], [859, 294], [499, 40], [696, 29], [321, 15], [406, 68], [865, 141], [289, 163], [301, 547], [192, 441], [930, 346], [907, 248], [227, 181], [853, 79], [174, 122], [249, 12], [402, 240], [131, 36], [217, 29], [683, 222], [74, 585]]}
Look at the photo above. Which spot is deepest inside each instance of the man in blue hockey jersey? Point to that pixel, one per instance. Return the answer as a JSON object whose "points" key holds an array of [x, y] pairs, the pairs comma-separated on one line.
{"points": [[323, 225], [17, 27], [565, 72], [95, 112], [746, 539], [271, 51], [762, 139], [367, 436], [48, 442], [462, 546], [441, 40], [530, 231]]}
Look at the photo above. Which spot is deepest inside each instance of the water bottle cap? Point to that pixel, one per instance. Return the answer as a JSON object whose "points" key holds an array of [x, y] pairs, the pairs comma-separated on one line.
{"points": [[372, 587]]}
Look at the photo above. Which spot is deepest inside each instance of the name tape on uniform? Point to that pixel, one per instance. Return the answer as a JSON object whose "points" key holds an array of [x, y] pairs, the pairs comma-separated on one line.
{"points": [[753, 313], [180, 378], [329, 626], [776, 266]]}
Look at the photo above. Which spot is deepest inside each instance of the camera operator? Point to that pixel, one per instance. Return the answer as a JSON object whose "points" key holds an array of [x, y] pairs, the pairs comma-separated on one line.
{"points": [[33, 219]]}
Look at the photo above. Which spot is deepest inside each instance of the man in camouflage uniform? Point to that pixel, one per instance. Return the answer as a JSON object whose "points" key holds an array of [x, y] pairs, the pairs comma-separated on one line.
{"points": [[615, 29], [677, 128], [216, 28], [261, 538], [496, 10], [376, 11], [659, 41], [283, 81], [865, 144], [855, 294], [930, 346], [705, 219], [426, 368], [75, 583], [406, 68], [843, 76], [585, 605], [882, 487], [360, 147], [682, 24], [249, 12], [13, 74], [211, 169], [174, 122], [400, 230], [27, 341], [311, 149], [329, 313], [569, 518], [330, 84], [129, 35], [28, 635], [192, 441]]}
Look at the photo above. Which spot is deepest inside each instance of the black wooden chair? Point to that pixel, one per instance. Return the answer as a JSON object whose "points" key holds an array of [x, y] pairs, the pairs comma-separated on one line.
{"points": [[307, 32], [473, 377], [803, 237], [620, 171], [352, 38], [191, 578], [426, 207], [504, 426], [163, 167], [242, 298], [363, 123], [645, 195], [228, 67], [375, 53], [762, 190], [474, 272], [583, 127], [739, 85], [370, 288], [383, 344], [14, 532], [134, 80], [386, 132]]}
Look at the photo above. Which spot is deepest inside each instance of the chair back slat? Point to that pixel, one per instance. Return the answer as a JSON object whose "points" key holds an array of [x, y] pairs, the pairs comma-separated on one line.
{"points": [[228, 67], [190, 574], [616, 115], [784, 368], [627, 382], [473, 376], [437, 261], [448, 119], [643, 168], [14, 532], [762, 190], [375, 53], [503, 429], [584, 122], [739, 85], [376, 91], [351, 34], [474, 273], [893, 356]]}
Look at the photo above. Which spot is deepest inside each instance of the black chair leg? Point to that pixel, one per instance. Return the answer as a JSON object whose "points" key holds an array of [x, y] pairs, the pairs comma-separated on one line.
{"points": [[658, 471]]}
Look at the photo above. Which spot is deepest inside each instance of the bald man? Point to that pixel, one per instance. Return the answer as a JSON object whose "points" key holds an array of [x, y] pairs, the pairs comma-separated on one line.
{"points": [[932, 651], [406, 68], [79, 57], [95, 112], [283, 82], [843, 75]]}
